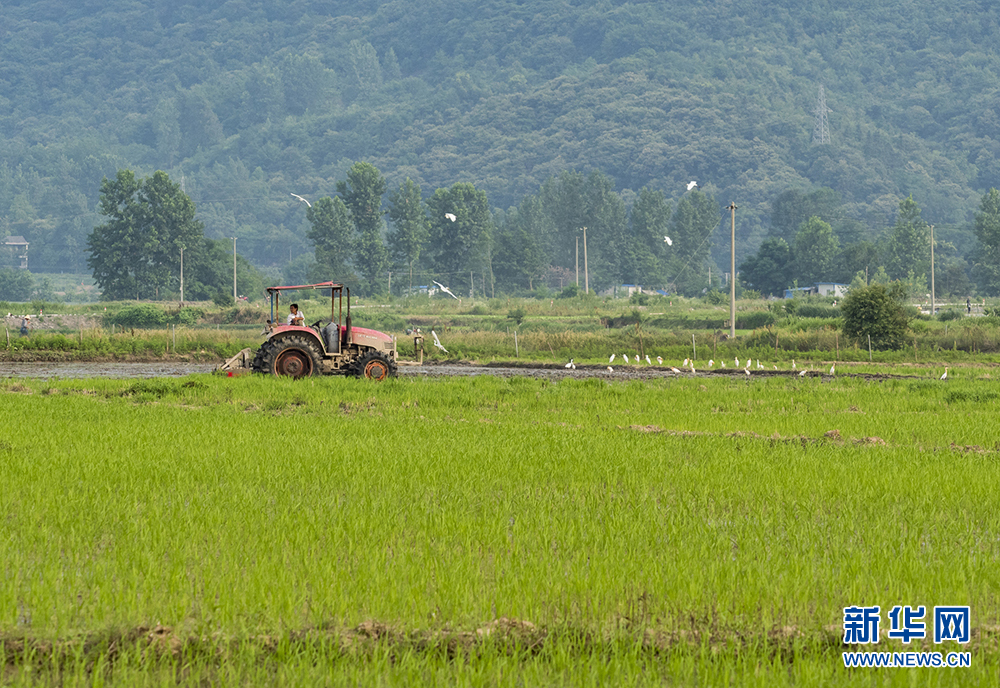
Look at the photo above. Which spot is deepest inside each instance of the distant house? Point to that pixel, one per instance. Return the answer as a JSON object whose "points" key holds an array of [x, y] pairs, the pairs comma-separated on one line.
{"points": [[423, 290], [622, 290], [18, 246], [834, 289]]}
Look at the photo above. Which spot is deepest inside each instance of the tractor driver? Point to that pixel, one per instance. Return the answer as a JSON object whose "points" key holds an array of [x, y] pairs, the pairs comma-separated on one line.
{"points": [[294, 317]]}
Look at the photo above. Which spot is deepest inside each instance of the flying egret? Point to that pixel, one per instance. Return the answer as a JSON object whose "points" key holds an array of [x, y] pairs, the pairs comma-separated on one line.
{"points": [[437, 342], [659, 360], [692, 184], [308, 204], [445, 289], [945, 375], [612, 359], [668, 240], [450, 217], [571, 364]]}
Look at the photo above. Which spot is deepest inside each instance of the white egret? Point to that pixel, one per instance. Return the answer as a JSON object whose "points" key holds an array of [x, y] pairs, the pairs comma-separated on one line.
{"points": [[659, 360], [711, 362], [612, 359], [450, 217], [571, 364], [692, 184], [648, 362], [610, 369], [803, 373], [308, 204], [668, 240], [833, 369], [445, 289], [437, 342], [674, 370], [793, 364], [692, 367], [722, 364], [747, 371], [685, 362], [759, 366], [945, 375], [637, 358]]}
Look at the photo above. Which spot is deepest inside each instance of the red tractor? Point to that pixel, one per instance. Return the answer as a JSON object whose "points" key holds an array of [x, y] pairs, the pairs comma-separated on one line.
{"points": [[336, 348]]}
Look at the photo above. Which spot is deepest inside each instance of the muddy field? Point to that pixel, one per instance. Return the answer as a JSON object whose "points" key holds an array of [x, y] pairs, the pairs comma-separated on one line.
{"points": [[122, 370]]}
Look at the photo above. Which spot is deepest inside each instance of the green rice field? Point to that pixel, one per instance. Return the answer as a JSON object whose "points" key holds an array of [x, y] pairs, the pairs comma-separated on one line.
{"points": [[486, 531]]}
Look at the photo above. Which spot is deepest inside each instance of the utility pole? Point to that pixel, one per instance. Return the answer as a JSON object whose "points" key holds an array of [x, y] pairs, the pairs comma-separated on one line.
{"points": [[586, 271], [234, 269], [578, 262], [732, 271], [182, 276], [821, 132], [932, 271], [472, 285], [390, 283]]}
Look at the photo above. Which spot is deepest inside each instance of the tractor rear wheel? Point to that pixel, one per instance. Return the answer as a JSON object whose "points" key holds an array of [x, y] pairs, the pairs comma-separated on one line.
{"points": [[292, 356], [374, 366]]}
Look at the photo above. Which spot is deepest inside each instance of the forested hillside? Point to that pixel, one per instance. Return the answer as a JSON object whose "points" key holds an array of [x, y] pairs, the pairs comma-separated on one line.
{"points": [[244, 102]]}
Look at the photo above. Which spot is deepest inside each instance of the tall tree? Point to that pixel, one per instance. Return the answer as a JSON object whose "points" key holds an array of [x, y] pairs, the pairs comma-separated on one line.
{"points": [[695, 218], [769, 271], [132, 255], [988, 232], [464, 244], [650, 220], [332, 234], [362, 193], [410, 228], [816, 250], [908, 248], [520, 257]]}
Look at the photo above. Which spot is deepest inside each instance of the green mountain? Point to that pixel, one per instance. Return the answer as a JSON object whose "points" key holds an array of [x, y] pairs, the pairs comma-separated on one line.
{"points": [[245, 102]]}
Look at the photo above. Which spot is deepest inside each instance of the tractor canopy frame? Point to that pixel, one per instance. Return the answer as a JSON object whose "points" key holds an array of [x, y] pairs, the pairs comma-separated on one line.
{"points": [[337, 315]]}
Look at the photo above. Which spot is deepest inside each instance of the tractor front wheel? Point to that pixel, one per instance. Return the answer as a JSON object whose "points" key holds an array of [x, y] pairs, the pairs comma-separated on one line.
{"points": [[290, 356], [374, 366]]}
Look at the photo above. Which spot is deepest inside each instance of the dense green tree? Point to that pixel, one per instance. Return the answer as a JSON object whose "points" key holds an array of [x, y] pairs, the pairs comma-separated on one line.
{"points": [[816, 249], [769, 271], [650, 220], [16, 284], [987, 227], [410, 227], [463, 245], [695, 218], [332, 234], [135, 252], [792, 207], [908, 246], [520, 258], [861, 257], [362, 192], [877, 311]]}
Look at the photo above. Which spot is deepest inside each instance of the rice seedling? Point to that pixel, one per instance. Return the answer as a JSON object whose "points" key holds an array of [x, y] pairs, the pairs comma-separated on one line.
{"points": [[477, 530]]}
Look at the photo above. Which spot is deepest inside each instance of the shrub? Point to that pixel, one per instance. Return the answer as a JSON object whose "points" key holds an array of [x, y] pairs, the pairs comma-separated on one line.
{"points": [[808, 310], [138, 315], [751, 294], [569, 292], [952, 314], [876, 311], [517, 315], [223, 299], [716, 297], [754, 320]]}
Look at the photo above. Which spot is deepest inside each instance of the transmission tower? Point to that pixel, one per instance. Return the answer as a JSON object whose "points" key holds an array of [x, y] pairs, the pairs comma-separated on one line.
{"points": [[821, 132]]}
